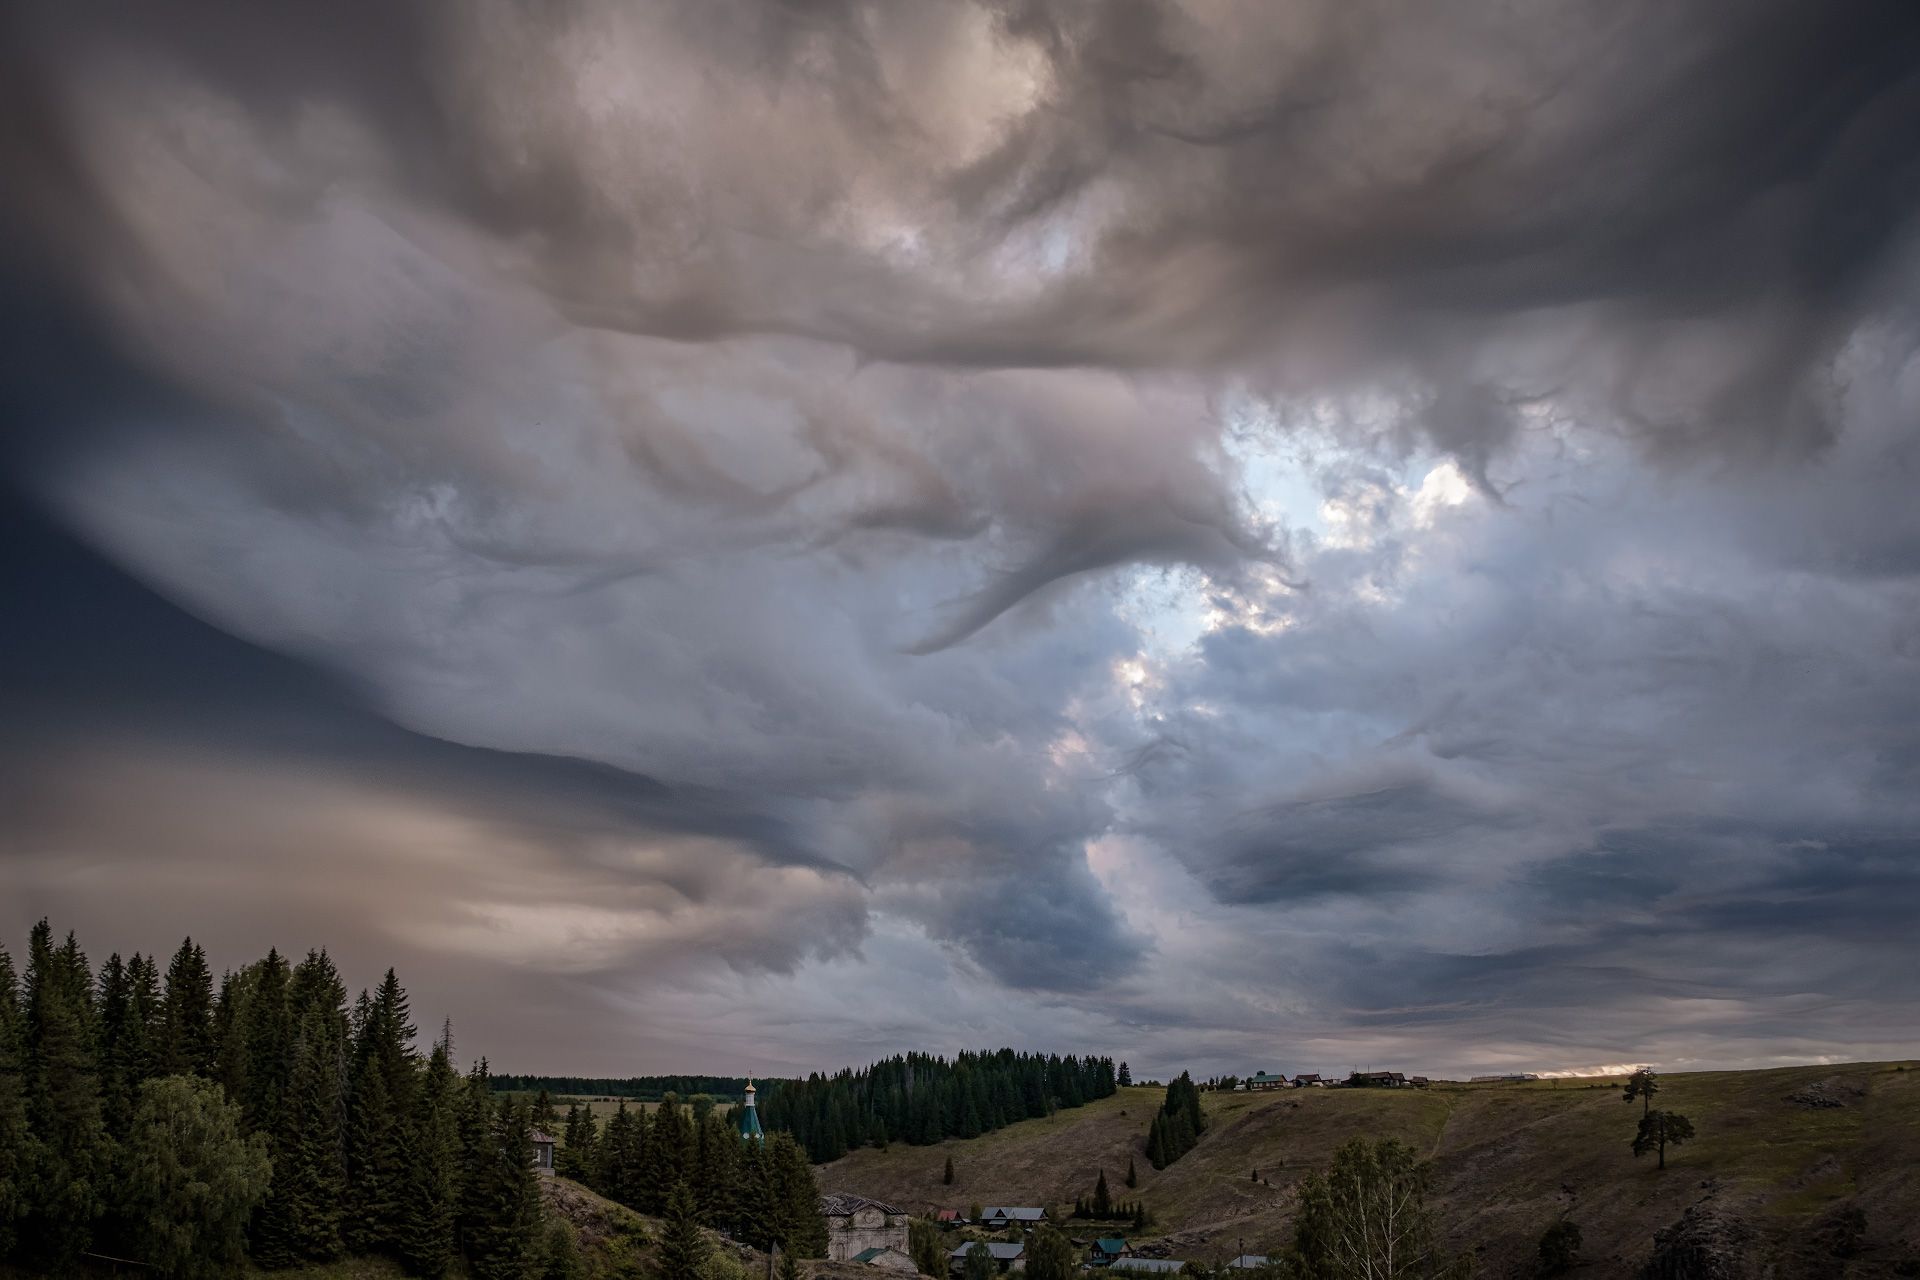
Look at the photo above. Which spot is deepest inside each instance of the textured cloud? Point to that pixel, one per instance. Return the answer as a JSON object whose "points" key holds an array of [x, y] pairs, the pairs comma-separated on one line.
{"points": [[1079, 507]]}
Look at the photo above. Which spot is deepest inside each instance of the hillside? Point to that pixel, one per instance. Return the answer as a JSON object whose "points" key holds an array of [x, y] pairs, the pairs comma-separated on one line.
{"points": [[1509, 1159]]}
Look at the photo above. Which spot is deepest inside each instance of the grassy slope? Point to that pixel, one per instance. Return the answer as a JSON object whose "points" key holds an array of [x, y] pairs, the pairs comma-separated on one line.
{"points": [[1509, 1159]]}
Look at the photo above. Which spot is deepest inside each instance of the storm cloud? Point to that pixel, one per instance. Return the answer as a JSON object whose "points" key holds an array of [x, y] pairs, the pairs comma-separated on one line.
{"points": [[740, 536]]}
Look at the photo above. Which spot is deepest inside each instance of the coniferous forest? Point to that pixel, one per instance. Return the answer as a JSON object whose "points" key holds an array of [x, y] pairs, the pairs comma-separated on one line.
{"points": [[147, 1114], [919, 1099]]}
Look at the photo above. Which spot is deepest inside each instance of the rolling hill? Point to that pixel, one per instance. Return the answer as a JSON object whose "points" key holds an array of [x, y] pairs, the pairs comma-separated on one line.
{"points": [[1509, 1160]]}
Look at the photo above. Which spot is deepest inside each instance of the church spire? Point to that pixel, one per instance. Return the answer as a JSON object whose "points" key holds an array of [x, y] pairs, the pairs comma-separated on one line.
{"points": [[750, 1118]]}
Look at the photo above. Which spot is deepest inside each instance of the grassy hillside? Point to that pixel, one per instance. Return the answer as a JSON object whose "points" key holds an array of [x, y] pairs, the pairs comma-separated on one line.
{"points": [[1510, 1159]]}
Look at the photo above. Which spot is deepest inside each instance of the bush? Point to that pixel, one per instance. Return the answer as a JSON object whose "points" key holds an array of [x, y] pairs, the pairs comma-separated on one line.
{"points": [[1559, 1247]]}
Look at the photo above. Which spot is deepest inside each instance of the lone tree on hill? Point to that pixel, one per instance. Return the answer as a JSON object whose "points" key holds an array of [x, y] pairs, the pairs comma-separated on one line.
{"points": [[1642, 1084], [1133, 1179], [947, 1176], [1126, 1076], [1660, 1130]]}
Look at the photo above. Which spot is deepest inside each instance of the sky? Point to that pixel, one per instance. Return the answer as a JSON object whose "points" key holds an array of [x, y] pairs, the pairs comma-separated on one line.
{"points": [[751, 537]]}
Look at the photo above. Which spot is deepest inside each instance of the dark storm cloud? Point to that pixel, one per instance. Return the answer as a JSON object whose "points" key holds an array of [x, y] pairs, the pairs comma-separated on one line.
{"points": [[708, 464]]}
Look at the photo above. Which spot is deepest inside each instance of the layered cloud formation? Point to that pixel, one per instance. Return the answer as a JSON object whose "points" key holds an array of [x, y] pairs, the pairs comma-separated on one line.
{"points": [[746, 535]]}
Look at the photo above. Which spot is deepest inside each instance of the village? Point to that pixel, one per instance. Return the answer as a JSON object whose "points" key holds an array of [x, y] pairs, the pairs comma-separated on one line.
{"points": [[870, 1232]]}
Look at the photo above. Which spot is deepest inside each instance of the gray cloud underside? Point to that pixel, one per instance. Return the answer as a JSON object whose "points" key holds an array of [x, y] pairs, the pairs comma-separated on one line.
{"points": [[717, 472]]}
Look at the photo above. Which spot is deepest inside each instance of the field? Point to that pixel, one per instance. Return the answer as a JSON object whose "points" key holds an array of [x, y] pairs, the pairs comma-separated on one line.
{"points": [[1509, 1160]]}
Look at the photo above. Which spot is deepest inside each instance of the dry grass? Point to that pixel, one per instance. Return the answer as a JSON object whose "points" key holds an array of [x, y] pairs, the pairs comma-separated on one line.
{"points": [[1509, 1158]]}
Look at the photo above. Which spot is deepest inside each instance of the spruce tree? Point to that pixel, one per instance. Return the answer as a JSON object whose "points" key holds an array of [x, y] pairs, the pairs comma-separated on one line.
{"points": [[476, 1154], [145, 1020], [789, 1267], [798, 1223], [119, 1086], [1133, 1178], [13, 1109], [375, 1162], [683, 1246], [187, 1014], [230, 1035], [1102, 1198], [269, 1045], [427, 1241], [67, 1153], [301, 1218], [716, 1170], [756, 1217], [578, 1156], [506, 1241]]}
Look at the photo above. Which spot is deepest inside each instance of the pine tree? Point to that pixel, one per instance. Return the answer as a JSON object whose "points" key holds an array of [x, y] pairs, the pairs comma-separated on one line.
{"points": [[716, 1170], [230, 1035], [67, 1153], [683, 1247], [578, 1157], [1102, 1198], [476, 1154], [1133, 1179], [145, 1020], [427, 1241], [1660, 1130], [789, 1267], [187, 1014], [756, 1216], [375, 1162]]}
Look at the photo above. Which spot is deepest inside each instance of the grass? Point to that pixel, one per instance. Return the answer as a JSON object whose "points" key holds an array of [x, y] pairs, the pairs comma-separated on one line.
{"points": [[1509, 1160]]}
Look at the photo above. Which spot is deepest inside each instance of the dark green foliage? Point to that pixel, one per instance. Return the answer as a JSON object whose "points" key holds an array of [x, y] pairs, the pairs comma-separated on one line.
{"points": [[1642, 1084], [798, 1225], [67, 1152], [427, 1242], [1133, 1178], [1366, 1217], [13, 1108], [1559, 1247], [1126, 1076], [578, 1155], [1051, 1256], [1139, 1216], [921, 1099], [1660, 1130], [946, 1176], [230, 1034], [641, 1088], [789, 1267], [504, 1237], [301, 1218], [563, 1261], [191, 1178], [1178, 1124], [268, 1037], [979, 1264], [186, 1015], [716, 1169], [1102, 1198], [683, 1248], [923, 1244]]}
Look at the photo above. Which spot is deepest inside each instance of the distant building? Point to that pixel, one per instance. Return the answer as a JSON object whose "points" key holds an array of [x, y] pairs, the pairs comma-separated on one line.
{"points": [[949, 1217], [856, 1224], [1107, 1250], [1156, 1266], [542, 1152], [1007, 1255], [1309, 1080], [887, 1258], [750, 1129], [1418, 1082], [1261, 1080], [996, 1217], [1377, 1080]]}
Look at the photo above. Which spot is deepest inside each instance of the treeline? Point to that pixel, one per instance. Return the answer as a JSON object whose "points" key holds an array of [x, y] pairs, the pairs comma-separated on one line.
{"points": [[920, 1099], [642, 1088], [146, 1116], [760, 1193], [1178, 1124]]}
